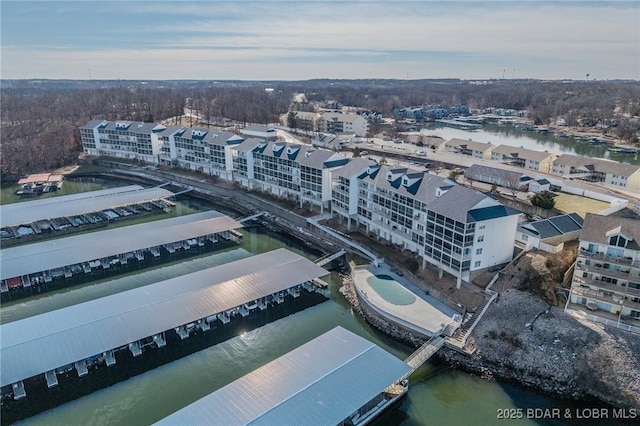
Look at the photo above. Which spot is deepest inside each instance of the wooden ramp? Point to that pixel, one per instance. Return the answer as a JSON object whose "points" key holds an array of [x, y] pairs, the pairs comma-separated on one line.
{"points": [[424, 352]]}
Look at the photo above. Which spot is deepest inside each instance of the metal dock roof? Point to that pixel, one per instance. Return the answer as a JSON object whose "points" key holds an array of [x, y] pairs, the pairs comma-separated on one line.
{"points": [[75, 204], [48, 255], [321, 382], [44, 342]]}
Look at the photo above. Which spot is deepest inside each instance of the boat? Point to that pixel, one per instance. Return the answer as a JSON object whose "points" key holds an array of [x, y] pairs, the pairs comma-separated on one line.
{"points": [[623, 149]]}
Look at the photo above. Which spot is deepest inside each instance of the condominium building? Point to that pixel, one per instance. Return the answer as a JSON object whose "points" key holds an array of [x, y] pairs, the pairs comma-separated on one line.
{"points": [[606, 280], [606, 172], [122, 139], [468, 147], [529, 159], [336, 123], [203, 150], [458, 230], [286, 170]]}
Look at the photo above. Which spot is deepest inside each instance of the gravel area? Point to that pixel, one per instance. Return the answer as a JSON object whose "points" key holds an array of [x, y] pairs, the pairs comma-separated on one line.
{"points": [[523, 339]]}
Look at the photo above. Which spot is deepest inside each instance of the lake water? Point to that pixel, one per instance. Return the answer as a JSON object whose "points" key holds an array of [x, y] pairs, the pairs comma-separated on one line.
{"points": [[437, 395], [508, 135]]}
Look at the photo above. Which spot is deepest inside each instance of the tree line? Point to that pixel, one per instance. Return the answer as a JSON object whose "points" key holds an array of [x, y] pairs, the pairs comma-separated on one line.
{"points": [[39, 119]]}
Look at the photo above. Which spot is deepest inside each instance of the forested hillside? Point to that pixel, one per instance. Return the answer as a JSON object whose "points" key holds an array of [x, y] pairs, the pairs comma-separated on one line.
{"points": [[40, 119]]}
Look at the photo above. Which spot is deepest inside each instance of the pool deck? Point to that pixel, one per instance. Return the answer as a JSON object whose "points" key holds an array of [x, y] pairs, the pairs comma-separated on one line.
{"points": [[426, 315]]}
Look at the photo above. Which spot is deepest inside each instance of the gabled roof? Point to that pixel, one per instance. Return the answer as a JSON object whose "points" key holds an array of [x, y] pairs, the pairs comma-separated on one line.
{"points": [[248, 145], [354, 168], [596, 227], [321, 158], [597, 164], [520, 152], [469, 144], [476, 171]]}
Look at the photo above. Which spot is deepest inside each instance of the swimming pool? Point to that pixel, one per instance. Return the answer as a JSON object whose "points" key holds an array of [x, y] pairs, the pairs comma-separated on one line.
{"points": [[390, 290]]}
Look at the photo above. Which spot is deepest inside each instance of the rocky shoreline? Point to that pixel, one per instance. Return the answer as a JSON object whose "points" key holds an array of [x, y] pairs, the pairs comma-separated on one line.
{"points": [[523, 340]]}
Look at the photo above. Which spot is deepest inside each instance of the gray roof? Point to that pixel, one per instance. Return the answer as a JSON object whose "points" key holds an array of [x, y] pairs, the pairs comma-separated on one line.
{"points": [[71, 205], [458, 201], [469, 144], [354, 167], [478, 172], [43, 342], [455, 201], [597, 164], [48, 255], [338, 116], [321, 382], [248, 144], [320, 158], [554, 226], [596, 227]]}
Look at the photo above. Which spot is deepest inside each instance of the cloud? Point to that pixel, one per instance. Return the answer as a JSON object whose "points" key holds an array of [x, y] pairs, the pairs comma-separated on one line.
{"points": [[452, 38]]}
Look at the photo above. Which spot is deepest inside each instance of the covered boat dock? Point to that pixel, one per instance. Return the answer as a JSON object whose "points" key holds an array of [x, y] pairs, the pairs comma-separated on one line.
{"points": [[41, 263], [134, 320], [338, 378], [58, 213]]}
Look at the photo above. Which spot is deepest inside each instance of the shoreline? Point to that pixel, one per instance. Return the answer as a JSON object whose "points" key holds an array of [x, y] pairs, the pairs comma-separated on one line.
{"points": [[558, 356]]}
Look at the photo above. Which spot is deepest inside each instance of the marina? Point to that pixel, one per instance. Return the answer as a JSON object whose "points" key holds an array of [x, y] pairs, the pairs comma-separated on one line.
{"points": [[337, 378], [37, 219], [36, 349], [61, 262]]}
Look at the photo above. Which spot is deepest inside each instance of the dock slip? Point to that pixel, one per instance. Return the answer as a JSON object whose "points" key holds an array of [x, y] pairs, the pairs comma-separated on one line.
{"points": [[44, 257], [130, 320], [76, 204], [336, 378]]}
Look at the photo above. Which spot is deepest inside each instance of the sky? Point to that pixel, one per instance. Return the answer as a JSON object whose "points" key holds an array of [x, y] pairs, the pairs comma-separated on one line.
{"points": [[305, 39]]}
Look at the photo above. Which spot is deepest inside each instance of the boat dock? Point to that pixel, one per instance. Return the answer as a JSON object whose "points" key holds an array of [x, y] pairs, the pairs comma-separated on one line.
{"points": [[141, 319], [338, 378], [63, 259], [23, 221]]}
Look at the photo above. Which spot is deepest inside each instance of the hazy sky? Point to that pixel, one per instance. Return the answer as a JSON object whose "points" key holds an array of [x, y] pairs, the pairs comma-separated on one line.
{"points": [[297, 40]]}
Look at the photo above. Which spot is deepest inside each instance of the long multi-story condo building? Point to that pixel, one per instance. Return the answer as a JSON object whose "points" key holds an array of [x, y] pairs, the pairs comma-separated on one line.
{"points": [[286, 170], [606, 280], [122, 139], [458, 230]]}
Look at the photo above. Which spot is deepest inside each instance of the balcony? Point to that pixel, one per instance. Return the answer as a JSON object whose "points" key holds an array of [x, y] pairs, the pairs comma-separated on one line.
{"points": [[613, 300], [608, 272], [608, 286], [609, 259]]}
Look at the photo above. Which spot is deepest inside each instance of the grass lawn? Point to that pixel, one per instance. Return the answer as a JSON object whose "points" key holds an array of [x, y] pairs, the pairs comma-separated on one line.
{"points": [[568, 203]]}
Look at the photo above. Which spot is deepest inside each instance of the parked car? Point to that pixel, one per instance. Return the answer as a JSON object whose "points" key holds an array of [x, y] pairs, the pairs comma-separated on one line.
{"points": [[421, 153]]}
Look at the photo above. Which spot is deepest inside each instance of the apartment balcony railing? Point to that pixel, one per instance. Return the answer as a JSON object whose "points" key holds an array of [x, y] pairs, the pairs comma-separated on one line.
{"points": [[582, 267], [608, 286], [613, 300], [611, 259]]}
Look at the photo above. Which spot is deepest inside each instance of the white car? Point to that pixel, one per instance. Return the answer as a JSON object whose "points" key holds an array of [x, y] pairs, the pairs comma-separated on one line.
{"points": [[421, 153]]}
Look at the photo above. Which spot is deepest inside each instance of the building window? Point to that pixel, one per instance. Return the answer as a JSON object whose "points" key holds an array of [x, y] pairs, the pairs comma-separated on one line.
{"points": [[481, 238], [481, 226], [525, 237], [477, 263], [479, 251]]}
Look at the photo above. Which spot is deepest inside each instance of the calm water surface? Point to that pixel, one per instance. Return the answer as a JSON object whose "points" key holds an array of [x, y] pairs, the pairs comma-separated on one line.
{"points": [[508, 135]]}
